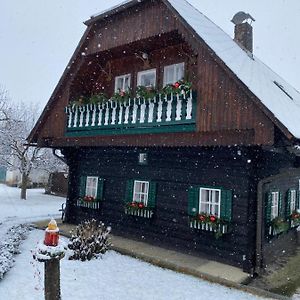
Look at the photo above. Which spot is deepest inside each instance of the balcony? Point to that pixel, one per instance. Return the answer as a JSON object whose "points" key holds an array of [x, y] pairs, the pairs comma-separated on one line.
{"points": [[175, 112]]}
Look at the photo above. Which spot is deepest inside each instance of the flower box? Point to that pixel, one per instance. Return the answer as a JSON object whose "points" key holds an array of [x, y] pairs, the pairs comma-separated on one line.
{"points": [[295, 219], [138, 210], [211, 223], [93, 204], [278, 226]]}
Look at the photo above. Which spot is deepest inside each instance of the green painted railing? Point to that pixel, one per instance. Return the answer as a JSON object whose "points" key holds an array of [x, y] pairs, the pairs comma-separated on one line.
{"points": [[163, 113]]}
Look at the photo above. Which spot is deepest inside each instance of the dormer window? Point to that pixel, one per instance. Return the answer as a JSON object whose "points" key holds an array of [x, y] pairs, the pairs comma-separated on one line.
{"points": [[147, 78], [173, 73], [122, 83]]}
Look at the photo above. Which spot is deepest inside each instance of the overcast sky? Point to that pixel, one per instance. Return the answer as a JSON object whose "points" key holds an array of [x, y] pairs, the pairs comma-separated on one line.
{"points": [[38, 37]]}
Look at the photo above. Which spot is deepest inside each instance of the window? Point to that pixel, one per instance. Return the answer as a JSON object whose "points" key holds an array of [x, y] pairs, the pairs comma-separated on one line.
{"points": [[293, 201], [140, 191], [173, 73], [143, 158], [91, 186], [274, 205], [147, 78], [210, 201], [122, 83]]}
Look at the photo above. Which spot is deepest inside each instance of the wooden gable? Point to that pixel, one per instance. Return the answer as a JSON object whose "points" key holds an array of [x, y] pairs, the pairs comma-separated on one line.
{"points": [[226, 111]]}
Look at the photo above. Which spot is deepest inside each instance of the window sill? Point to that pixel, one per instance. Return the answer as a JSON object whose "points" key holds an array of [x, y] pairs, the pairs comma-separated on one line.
{"points": [[92, 205], [144, 213]]}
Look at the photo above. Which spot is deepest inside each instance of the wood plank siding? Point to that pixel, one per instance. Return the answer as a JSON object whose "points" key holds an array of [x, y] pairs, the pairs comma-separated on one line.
{"points": [[224, 105], [231, 168], [176, 173]]}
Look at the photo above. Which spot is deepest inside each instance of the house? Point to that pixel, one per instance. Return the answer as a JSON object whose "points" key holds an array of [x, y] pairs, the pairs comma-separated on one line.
{"points": [[195, 148]]}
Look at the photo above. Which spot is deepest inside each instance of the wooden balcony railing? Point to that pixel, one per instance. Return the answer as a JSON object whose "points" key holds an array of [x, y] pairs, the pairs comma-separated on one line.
{"points": [[163, 113]]}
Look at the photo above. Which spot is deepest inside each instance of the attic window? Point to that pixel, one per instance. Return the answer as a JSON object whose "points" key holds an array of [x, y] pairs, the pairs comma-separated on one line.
{"points": [[282, 88]]}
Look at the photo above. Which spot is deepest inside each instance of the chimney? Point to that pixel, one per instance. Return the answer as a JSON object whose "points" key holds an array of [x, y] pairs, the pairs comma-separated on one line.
{"points": [[243, 31]]}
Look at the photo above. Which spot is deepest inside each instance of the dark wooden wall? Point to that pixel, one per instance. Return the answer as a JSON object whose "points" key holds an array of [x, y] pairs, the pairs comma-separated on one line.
{"points": [[286, 243], [174, 171]]}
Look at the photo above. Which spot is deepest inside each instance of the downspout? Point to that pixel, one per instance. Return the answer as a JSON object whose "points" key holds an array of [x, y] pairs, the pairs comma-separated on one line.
{"points": [[259, 221]]}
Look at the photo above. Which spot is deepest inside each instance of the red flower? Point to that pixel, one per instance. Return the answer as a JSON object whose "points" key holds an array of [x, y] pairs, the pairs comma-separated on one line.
{"points": [[212, 219], [202, 218], [176, 85], [133, 204], [141, 205], [122, 93]]}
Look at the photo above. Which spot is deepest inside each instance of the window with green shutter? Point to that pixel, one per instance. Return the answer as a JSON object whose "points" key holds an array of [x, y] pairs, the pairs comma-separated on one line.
{"points": [[210, 209], [275, 213], [90, 191], [140, 198]]}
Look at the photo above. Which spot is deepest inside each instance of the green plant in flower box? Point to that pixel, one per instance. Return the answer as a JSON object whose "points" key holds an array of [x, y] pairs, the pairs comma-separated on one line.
{"points": [[295, 217], [212, 220], [177, 87], [122, 96], [280, 225], [98, 99], [82, 100], [136, 206], [88, 199], [146, 92]]}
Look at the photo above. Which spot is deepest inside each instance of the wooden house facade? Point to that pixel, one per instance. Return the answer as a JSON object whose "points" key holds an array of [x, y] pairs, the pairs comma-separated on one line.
{"points": [[175, 140]]}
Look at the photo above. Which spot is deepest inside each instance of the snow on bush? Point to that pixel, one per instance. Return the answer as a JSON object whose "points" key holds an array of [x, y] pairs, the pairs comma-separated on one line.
{"points": [[9, 247], [90, 240]]}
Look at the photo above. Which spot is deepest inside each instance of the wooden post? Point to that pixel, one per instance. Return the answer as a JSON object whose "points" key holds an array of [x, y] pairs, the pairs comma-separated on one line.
{"points": [[52, 279]]}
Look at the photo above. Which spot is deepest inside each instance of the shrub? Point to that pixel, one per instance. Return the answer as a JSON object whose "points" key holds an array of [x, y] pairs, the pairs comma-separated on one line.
{"points": [[90, 240]]}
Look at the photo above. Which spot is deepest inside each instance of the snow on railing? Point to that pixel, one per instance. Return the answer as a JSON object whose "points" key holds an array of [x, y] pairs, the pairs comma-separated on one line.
{"points": [[135, 112]]}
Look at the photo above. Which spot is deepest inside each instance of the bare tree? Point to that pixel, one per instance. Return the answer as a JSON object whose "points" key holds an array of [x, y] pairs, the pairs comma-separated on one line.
{"points": [[16, 152]]}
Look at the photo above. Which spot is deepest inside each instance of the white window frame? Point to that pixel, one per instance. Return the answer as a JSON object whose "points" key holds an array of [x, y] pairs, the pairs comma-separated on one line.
{"points": [[141, 73], [88, 187], [175, 79], [293, 201], [137, 194], [123, 77], [210, 203], [274, 205]]}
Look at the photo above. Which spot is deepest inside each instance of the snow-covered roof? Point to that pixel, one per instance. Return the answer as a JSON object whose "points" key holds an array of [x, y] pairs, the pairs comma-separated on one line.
{"points": [[275, 93]]}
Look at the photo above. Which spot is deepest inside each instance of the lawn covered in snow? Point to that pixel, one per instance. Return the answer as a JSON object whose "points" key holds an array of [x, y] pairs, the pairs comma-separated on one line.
{"points": [[111, 278], [37, 206]]}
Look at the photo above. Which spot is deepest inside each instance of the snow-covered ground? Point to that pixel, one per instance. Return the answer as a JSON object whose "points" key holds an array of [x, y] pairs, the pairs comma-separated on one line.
{"points": [[13, 212], [111, 278]]}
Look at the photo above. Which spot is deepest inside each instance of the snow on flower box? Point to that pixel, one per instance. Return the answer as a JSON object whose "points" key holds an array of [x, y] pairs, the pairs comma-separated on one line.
{"points": [[206, 222], [88, 202], [138, 209]]}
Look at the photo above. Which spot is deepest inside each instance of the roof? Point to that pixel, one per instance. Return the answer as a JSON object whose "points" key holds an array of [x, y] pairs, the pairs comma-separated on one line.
{"points": [[279, 97]]}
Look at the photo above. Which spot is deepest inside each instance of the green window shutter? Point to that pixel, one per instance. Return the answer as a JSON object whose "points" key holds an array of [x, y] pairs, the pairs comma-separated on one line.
{"points": [[129, 191], [100, 189], [280, 206], [152, 195], [268, 205], [297, 199], [288, 204], [193, 201], [82, 186], [226, 205]]}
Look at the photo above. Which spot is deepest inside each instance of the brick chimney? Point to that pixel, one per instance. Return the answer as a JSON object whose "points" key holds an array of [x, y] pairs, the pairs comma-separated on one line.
{"points": [[243, 31]]}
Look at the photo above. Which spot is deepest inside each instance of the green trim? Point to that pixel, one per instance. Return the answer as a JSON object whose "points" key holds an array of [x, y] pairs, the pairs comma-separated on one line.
{"points": [[125, 131]]}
